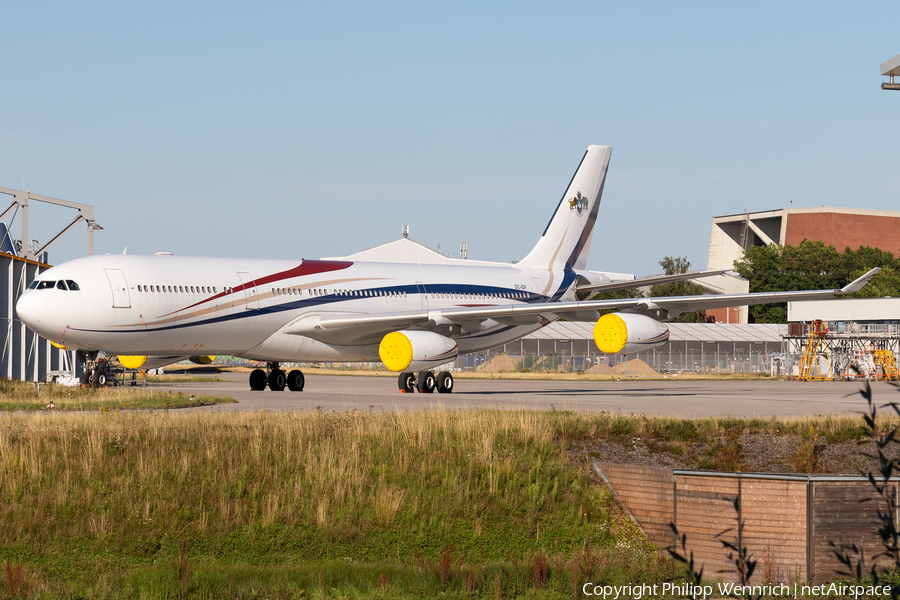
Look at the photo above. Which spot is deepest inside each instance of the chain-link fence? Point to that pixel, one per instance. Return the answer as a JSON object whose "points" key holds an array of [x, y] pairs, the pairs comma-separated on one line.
{"points": [[582, 356], [642, 364]]}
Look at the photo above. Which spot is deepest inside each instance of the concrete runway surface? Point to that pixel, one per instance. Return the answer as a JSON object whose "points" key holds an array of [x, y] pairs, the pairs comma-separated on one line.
{"points": [[670, 397]]}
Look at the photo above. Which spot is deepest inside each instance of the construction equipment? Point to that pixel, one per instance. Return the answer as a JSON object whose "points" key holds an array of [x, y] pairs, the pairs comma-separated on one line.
{"points": [[872, 363], [815, 361]]}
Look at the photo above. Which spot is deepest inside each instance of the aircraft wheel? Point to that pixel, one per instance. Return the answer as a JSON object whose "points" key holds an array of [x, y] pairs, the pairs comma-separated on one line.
{"points": [[426, 382], [101, 379], [86, 377], [444, 382], [258, 380], [295, 381], [277, 380], [407, 382]]}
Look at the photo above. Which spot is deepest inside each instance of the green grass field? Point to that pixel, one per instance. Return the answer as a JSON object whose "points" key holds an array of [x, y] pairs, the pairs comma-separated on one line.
{"points": [[421, 504], [20, 395], [488, 504]]}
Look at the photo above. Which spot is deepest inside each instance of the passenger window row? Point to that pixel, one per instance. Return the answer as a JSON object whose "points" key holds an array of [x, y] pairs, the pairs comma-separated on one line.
{"points": [[370, 293], [287, 292], [506, 295], [178, 289], [349, 293]]}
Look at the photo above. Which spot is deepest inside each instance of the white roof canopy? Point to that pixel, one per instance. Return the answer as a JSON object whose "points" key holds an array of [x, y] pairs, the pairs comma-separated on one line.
{"points": [[891, 67]]}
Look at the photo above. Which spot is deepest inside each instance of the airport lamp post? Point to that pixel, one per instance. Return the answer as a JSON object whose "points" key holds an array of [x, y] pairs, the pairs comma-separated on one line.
{"points": [[889, 69]]}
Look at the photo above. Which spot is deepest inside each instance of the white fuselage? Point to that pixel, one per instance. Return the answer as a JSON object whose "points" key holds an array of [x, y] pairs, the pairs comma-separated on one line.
{"points": [[171, 305]]}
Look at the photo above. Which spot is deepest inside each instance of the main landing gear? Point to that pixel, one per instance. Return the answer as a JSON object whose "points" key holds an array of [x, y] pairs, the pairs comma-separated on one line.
{"points": [[426, 382], [276, 380]]}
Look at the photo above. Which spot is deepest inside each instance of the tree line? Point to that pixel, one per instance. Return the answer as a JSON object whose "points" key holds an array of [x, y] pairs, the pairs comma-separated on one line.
{"points": [[812, 265]]}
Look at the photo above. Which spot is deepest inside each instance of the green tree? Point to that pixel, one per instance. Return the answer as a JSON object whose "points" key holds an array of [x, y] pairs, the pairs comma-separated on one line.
{"points": [[676, 266], [812, 265]]}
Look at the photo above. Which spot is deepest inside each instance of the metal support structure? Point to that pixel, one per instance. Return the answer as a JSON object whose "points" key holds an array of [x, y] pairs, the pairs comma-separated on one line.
{"points": [[20, 201], [846, 347], [23, 354]]}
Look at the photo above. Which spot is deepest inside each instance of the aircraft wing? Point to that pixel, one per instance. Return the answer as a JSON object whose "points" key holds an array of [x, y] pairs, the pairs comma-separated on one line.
{"points": [[615, 286], [353, 329]]}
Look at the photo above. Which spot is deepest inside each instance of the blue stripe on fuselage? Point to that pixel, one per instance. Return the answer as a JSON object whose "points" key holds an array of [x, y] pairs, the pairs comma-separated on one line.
{"points": [[336, 298]]}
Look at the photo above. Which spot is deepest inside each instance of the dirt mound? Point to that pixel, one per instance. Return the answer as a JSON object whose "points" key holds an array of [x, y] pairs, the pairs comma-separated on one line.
{"points": [[599, 369], [634, 367], [501, 363]]}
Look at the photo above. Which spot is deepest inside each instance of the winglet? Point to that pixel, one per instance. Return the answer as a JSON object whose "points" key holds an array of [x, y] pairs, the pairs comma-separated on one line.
{"points": [[857, 285]]}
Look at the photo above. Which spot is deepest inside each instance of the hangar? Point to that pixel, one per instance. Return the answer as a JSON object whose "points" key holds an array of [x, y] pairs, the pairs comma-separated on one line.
{"points": [[23, 354]]}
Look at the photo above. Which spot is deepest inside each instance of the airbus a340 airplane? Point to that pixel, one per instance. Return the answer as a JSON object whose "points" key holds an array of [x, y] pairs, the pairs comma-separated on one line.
{"points": [[151, 310]]}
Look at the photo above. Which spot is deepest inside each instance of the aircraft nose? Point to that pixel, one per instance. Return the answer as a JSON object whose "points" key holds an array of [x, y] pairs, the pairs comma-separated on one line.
{"points": [[28, 311]]}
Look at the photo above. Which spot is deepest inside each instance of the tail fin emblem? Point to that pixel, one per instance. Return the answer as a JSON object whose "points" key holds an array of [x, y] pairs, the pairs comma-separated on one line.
{"points": [[578, 203]]}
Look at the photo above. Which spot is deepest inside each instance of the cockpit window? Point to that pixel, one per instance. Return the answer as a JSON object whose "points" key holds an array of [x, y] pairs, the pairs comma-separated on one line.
{"points": [[33, 284], [72, 285], [46, 285], [61, 285]]}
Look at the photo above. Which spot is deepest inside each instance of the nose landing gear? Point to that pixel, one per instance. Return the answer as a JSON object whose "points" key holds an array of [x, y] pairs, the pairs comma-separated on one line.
{"points": [[95, 368], [275, 379]]}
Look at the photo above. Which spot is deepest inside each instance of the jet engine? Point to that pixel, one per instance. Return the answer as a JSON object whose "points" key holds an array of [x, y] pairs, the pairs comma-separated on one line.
{"points": [[416, 350], [203, 360], [133, 361], [626, 333]]}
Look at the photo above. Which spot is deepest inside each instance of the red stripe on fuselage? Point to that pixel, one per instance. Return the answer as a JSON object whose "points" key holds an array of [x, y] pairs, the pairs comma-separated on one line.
{"points": [[307, 267]]}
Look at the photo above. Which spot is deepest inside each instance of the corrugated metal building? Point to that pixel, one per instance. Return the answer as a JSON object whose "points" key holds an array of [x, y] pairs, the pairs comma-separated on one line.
{"points": [[25, 355]]}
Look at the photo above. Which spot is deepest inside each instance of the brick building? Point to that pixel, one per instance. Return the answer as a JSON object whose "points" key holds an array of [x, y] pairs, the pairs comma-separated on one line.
{"points": [[838, 227]]}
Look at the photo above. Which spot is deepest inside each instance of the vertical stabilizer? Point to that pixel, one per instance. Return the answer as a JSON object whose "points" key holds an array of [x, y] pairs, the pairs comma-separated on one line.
{"points": [[567, 238]]}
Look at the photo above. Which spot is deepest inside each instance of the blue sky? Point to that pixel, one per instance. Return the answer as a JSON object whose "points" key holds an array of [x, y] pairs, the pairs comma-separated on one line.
{"points": [[305, 130]]}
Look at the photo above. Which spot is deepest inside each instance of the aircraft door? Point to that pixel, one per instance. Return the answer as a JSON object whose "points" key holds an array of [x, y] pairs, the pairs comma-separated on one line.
{"points": [[250, 293], [423, 294], [119, 287]]}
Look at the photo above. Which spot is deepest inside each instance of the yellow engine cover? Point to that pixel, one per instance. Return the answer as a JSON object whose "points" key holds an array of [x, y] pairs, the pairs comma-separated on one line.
{"points": [[203, 360], [132, 362], [611, 333], [396, 351]]}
